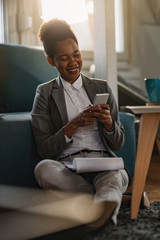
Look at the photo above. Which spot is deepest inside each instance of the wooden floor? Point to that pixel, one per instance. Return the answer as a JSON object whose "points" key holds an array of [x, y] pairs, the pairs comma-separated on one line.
{"points": [[152, 186]]}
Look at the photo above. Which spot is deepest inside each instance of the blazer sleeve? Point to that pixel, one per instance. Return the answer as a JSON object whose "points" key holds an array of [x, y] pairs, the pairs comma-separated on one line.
{"points": [[113, 142]]}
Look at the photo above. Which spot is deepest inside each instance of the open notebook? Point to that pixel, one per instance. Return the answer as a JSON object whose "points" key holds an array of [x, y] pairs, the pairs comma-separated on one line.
{"points": [[81, 165]]}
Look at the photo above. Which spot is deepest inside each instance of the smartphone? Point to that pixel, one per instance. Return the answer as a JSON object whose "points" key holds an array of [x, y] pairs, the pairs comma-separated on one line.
{"points": [[100, 98]]}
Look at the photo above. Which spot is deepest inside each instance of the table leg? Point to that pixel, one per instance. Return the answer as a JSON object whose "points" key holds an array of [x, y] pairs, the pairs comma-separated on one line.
{"points": [[147, 133]]}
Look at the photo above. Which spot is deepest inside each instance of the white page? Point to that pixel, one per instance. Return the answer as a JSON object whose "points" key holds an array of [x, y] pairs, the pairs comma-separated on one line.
{"points": [[95, 164]]}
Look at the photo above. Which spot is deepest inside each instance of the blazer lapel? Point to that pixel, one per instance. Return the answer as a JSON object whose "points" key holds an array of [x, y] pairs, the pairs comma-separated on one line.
{"points": [[58, 96], [89, 87]]}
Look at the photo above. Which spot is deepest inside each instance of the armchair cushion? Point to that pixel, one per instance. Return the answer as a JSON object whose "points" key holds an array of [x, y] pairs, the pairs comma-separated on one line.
{"points": [[18, 155]]}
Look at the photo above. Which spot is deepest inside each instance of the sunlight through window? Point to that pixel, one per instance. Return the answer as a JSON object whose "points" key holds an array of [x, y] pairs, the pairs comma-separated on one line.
{"points": [[90, 7], [72, 11]]}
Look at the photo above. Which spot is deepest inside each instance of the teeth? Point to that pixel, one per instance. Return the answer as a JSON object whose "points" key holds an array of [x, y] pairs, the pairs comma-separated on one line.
{"points": [[72, 70]]}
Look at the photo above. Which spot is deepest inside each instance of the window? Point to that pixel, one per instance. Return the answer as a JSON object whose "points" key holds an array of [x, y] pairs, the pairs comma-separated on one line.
{"points": [[73, 11], [77, 13], [119, 26], [121, 29]]}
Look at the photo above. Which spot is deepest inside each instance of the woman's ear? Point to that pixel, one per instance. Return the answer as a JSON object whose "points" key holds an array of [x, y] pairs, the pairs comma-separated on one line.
{"points": [[50, 61]]}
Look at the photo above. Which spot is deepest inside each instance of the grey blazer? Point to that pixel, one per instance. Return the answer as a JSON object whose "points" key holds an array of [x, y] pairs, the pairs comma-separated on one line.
{"points": [[49, 115]]}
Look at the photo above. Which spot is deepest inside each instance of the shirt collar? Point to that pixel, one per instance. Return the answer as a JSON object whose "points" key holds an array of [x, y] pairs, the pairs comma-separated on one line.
{"points": [[77, 84]]}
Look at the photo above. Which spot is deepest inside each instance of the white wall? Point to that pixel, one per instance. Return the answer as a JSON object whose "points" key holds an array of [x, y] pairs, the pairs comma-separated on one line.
{"points": [[144, 38]]}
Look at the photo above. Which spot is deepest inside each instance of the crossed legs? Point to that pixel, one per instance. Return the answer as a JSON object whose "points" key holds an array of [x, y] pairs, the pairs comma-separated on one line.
{"points": [[107, 186]]}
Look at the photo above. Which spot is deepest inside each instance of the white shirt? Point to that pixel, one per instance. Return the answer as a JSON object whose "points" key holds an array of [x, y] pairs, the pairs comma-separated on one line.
{"points": [[76, 101]]}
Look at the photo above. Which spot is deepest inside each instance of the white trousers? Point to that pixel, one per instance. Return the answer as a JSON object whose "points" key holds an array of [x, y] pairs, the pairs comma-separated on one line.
{"points": [[106, 186]]}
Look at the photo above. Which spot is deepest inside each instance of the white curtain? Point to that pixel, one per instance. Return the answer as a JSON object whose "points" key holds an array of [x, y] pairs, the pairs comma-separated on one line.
{"points": [[24, 20], [155, 9], [1, 22]]}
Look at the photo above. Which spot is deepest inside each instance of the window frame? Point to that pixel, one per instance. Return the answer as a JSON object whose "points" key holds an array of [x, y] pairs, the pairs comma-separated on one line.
{"points": [[125, 56]]}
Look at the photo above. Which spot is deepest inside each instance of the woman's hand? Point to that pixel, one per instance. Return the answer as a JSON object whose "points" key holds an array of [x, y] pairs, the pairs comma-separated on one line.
{"points": [[88, 117], [104, 116], [83, 119]]}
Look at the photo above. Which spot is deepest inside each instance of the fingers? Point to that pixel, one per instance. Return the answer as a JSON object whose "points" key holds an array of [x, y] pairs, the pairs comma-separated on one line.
{"points": [[98, 108], [101, 111], [93, 113], [88, 118], [104, 116]]}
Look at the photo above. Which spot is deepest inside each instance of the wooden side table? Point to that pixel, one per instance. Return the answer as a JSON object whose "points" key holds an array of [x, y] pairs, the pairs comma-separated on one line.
{"points": [[150, 117]]}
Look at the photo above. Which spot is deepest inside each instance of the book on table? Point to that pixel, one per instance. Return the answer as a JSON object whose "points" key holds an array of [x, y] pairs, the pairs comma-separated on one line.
{"points": [[95, 164]]}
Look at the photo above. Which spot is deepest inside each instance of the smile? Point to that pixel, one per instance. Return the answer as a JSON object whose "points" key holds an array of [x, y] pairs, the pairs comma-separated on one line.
{"points": [[73, 71]]}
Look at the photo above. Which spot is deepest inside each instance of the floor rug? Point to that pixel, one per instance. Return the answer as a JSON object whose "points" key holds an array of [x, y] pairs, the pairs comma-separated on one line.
{"points": [[145, 227]]}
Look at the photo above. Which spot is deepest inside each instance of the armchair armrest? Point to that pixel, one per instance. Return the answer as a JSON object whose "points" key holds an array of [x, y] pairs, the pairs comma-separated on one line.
{"points": [[128, 151]]}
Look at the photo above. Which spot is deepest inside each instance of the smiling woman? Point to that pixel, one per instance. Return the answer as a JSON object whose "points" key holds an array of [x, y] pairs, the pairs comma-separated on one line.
{"points": [[67, 60]]}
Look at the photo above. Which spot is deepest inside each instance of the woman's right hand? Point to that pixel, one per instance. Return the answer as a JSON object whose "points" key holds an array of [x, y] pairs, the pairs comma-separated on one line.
{"points": [[83, 119]]}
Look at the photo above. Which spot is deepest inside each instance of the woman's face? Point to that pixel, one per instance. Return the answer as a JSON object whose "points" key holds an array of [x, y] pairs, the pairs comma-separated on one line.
{"points": [[67, 60]]}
